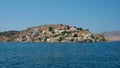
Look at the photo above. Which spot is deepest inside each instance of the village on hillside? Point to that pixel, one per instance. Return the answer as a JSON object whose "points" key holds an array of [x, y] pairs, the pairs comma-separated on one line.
{"points": [[53, 33]]}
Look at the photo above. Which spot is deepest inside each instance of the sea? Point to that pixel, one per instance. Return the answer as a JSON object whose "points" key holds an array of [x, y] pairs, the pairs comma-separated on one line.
{"points": [[60, 55]]}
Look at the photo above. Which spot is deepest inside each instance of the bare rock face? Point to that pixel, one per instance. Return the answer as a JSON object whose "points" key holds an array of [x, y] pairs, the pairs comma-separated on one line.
{"points": [[57, 33], [112, 36]]}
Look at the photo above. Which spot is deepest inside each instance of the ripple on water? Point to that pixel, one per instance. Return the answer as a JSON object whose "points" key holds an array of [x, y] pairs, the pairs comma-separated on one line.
{"points": [[60, 55]]}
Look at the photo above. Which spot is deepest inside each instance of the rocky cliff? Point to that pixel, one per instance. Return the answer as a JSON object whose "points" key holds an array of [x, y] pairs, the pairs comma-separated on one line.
{"points": [[56, 33]]}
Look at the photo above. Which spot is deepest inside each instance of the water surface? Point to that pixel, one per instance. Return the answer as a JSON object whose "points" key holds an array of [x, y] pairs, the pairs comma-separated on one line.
{"points": [[60, 55]]}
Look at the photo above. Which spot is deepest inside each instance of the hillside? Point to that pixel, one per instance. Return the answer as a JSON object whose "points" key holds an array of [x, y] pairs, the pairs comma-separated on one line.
{"points": [[112, 36], [56, 33], [8, 36]]}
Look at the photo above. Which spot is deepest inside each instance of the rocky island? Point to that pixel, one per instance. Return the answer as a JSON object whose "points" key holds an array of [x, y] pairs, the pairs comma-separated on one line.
{"points": [[51, 33]]}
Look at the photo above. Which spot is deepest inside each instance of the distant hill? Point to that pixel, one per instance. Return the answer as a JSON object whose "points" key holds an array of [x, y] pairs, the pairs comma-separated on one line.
{"points": [[9, 33], [112, 36]]}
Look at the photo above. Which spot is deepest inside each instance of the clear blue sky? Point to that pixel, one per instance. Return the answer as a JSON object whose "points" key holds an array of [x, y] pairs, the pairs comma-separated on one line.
{"points": [[96, 15]]}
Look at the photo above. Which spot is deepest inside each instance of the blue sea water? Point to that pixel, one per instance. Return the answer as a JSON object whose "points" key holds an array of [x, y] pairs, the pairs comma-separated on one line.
{"points": [[60, 55]]}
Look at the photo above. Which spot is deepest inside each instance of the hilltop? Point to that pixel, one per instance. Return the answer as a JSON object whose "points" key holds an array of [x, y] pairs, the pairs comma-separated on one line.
{"points": [[54, 33]]}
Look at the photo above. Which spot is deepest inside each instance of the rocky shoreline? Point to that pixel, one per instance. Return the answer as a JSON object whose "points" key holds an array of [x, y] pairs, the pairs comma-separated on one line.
{"points": [[52, 33]]}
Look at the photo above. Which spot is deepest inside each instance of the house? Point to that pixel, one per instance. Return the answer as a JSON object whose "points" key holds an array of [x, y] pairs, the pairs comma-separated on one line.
{"points": [[18, 39], [73, 28], [56, 30], [35, 32], [44, 38], [64, 28], [28, 38]]}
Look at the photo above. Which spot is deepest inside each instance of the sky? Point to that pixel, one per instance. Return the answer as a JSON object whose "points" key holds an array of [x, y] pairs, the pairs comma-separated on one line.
{"points": [[96, 15]]}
